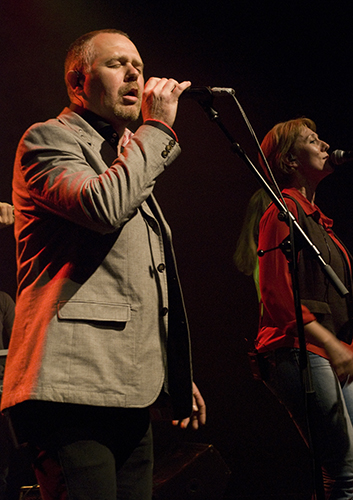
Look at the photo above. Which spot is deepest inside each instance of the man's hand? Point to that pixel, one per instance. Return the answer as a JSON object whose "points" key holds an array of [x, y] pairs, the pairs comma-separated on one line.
{"points": [[6, 215], [160, 99], [198, 416]]}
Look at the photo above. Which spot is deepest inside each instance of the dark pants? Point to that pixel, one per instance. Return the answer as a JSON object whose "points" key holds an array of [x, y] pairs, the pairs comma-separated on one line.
{"points": [[87, 453], [6, 447]]}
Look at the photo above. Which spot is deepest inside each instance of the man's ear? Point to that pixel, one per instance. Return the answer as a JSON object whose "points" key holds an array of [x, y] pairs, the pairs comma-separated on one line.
{"points": [[76, 80]]}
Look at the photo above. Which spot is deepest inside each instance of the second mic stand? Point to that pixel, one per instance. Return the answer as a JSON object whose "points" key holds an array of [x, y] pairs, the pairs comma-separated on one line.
{"points": [[296, 235]]}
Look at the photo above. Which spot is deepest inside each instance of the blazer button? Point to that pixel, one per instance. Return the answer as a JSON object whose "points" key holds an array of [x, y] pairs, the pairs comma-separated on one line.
{"points": [[164, 311], [164, 154], [161, 267]]}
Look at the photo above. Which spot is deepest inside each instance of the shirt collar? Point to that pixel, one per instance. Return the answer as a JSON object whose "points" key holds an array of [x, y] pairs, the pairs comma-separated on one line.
{"points": [[99, 124], [309, 209]]}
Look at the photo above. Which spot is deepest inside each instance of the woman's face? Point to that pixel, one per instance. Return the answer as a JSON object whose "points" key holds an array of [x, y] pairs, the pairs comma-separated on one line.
{"points": [[311, 154]]}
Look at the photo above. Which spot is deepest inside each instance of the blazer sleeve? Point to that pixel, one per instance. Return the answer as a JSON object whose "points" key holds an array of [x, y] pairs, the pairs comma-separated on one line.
{"points": [[61, 173]]}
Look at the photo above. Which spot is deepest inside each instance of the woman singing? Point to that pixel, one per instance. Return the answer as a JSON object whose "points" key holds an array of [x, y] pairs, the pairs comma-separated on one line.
{"points": [[299, 160]]}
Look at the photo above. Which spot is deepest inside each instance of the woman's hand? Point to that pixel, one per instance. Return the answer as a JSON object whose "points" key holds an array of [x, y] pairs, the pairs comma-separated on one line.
{"points": [[340, 356]]}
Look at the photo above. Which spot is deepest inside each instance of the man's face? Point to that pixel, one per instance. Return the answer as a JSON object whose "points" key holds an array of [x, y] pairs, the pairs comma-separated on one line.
{"points": [[113, 86]]}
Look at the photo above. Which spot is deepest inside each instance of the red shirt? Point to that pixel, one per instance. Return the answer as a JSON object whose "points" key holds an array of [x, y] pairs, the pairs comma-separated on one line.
{"points": [[278, 322]]}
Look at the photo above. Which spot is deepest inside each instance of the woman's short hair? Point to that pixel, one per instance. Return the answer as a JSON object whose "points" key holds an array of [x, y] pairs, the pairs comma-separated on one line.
{"points": [[278, 144]]}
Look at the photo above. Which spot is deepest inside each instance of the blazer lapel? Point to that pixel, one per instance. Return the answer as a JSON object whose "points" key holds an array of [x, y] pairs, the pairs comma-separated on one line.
{"points": [[88, 134]]}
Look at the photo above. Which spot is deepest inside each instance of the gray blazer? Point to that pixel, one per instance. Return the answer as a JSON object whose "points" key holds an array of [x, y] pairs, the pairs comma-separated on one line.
{"points": [[100, 318]]}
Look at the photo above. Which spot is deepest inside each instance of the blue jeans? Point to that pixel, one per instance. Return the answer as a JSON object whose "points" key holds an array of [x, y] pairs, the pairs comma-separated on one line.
{"points": [[331, 410]]}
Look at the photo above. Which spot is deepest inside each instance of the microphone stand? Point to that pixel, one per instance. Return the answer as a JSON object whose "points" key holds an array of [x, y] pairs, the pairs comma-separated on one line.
{"points": [[288, 247]]}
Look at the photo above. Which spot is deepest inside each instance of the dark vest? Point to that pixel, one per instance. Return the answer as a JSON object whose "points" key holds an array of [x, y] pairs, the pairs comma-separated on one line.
{"points": [[315, 290]]}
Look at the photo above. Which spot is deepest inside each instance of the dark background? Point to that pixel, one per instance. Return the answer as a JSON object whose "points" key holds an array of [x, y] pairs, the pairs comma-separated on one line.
{"points": [[284, 59]]}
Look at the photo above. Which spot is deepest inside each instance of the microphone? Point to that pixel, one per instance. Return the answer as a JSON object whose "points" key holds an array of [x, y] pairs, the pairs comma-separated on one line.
{"points": [[339, 157], [205, 93]]}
